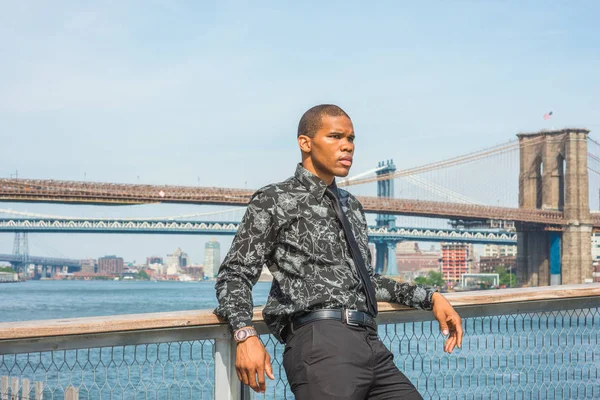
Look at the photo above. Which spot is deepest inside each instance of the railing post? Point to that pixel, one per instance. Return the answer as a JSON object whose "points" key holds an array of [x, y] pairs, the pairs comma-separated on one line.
{"points": [[72, 393], [25, 389], [39, 391], [4, 387], [227, 384], [14, 384]]}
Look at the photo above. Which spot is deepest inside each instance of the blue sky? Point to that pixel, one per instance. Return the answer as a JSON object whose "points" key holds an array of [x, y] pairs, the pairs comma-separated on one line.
{"points": [[210, 93]]}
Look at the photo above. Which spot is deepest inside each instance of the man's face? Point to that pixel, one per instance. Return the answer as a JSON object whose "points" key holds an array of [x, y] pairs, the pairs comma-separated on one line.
{"points": [[332, 147]]}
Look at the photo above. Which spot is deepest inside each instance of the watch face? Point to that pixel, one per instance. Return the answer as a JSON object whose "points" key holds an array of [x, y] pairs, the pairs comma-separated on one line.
{"points": [[241, 335]]}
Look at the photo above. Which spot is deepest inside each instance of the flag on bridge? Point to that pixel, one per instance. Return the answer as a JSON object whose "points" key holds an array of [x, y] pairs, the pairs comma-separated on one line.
{"points": [[548, 115]]}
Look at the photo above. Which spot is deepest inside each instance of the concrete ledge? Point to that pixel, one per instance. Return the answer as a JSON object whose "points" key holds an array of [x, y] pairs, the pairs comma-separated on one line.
{"points": [[166, 320]]}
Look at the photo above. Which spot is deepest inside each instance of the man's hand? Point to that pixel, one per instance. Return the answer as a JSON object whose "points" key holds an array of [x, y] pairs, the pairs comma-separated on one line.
{"points": [[450, 322], [252, 359]]}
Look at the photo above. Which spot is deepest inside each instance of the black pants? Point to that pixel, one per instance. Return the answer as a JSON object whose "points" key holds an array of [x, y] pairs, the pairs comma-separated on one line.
{"points": [[330, 360]]}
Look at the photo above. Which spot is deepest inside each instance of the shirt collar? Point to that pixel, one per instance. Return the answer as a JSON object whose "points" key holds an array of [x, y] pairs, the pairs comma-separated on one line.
{"points": [[312, 183]]}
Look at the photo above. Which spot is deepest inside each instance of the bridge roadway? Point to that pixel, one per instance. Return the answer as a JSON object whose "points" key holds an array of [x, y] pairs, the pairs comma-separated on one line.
{"points": [[179, 227], [46, 261], [51, 191]]}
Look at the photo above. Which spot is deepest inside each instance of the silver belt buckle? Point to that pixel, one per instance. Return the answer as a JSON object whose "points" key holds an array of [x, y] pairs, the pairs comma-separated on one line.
{"points": [[347, 315]]}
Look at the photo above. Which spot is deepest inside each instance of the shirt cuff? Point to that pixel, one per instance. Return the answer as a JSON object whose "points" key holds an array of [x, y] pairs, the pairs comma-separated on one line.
{"points": [[238, 323], [234, 322], [427, 303]]}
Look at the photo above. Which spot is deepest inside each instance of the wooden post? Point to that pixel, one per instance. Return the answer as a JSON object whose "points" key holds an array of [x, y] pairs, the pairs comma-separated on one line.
{"points": [[25, 389], [39, 391], [72, 393], [4, 387], [14, 386]]}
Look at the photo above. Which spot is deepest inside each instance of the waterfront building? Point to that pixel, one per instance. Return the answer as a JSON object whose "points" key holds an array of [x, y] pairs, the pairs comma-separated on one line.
{"points": [[412, 261], [154, 260], [497, 250], [110, 265], [489, 264], [89, 266], [212, 258], [456, 259], [196, 272], [158, 268], [8, 277], [179, 259], [596, 246]]}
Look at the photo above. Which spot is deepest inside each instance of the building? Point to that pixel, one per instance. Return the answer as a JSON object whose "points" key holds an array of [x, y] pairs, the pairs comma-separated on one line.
{"points": [[489, 264], [212, 258], [89, 266], [496, 250], [456, 259], [413, 261], [196, 272], [595, 246], [9, 277], [179, 259], [171, 269], [498, 256], [110, 265], [596, 272], [158, 268], [596, 256], [154, 260]]}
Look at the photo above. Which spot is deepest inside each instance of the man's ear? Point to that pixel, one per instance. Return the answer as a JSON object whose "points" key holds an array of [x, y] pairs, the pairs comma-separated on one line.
{"points": [[305, 143]]}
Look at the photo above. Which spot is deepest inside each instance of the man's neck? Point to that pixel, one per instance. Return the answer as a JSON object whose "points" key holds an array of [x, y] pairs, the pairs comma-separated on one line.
{"points": [[325, 177]]}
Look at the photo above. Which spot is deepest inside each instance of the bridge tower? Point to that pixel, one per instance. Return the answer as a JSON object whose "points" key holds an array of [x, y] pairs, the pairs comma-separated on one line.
{"points": [[554, 176], [21, 248], [385, 250]]}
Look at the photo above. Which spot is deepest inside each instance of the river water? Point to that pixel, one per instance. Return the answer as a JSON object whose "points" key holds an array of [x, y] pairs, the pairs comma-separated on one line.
{"points": [[526, 356], [32, 300]]}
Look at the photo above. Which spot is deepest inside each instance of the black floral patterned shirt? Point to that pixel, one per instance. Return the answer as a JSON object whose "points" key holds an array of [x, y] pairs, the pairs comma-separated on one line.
{"points": [[291, 227]]}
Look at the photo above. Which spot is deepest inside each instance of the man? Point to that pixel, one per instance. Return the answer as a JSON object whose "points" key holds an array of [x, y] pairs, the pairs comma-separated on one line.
{"points": [[313, 238]]}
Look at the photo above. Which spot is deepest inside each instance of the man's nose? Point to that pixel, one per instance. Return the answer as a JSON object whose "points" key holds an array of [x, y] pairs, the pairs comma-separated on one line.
{"points": [[347, 146]]}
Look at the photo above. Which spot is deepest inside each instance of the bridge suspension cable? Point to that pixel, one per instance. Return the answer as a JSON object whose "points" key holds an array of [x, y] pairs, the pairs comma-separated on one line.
{"points": [[594, 141], [458, 160], [357, 176], [595, 158], [439, 190]]}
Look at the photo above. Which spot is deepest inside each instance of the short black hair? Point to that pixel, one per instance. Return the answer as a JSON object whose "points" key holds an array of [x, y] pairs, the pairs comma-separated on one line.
{"points": [[310, 122]]}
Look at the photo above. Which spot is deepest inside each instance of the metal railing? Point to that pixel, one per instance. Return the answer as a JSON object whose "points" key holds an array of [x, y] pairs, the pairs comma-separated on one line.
{"points": [[519, 344]]}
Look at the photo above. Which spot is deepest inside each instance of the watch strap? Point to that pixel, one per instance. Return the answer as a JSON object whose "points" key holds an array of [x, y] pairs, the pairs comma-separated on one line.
{"points": [[244, 333]]}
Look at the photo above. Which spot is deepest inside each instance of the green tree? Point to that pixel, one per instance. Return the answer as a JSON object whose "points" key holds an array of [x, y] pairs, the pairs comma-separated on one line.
{"points": [[507, 278], [421, 280], [436, 278], [433, 278], [7, 269], [143, 275]]}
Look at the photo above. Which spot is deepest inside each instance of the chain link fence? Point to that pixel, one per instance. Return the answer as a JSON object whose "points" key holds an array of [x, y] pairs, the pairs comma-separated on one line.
{"points": [[174, 370], [527, 354], [540, 355]]}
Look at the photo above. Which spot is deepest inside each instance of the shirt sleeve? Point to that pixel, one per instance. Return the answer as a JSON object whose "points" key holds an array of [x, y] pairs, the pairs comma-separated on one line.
{"points": [[386, 289], [243, 264]]}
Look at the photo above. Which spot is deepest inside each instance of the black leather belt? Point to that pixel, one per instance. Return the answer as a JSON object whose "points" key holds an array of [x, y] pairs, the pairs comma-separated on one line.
{"points": [[348, 317]]}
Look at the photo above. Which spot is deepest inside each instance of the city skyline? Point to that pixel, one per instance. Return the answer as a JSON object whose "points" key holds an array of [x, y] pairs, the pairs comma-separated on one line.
{"points": [[196, 95]]}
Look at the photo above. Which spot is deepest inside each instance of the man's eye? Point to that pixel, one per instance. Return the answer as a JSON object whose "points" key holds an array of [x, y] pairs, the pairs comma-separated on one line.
{"points": [[351, 139], [335, 136]]}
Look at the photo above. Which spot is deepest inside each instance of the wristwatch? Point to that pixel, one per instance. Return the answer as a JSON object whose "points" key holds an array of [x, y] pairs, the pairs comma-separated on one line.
{"points": [[244, 333]]}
